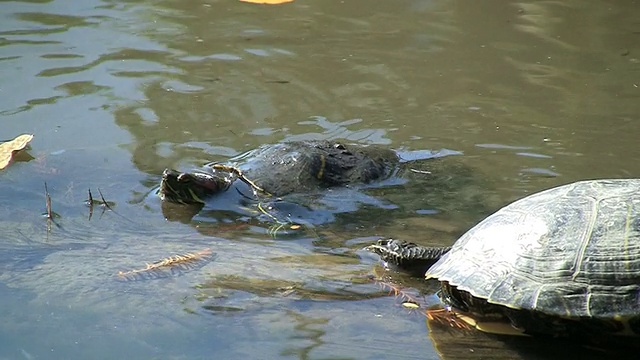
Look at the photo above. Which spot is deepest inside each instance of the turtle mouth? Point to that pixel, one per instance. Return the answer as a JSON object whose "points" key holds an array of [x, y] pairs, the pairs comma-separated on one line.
{"points": [[190, 188]]}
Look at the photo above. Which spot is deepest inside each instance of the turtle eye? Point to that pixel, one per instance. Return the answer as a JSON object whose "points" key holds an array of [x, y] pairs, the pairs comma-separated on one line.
{"points": [[339, 146], [184, 178]]}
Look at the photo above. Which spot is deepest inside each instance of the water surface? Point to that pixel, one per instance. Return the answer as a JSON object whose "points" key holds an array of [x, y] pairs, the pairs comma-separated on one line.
{"points": [[533, 94]]}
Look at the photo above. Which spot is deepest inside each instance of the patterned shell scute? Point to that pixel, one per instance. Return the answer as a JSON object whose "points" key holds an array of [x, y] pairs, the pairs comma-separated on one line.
{"points": [[569, 251]]}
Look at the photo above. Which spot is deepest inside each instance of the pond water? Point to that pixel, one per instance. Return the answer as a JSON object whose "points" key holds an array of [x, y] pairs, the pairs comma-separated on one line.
{"points": [[528, 94]]}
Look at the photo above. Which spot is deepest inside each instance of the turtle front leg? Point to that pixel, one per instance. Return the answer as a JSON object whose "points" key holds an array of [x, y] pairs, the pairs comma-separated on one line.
{"points": [[240, 175]]}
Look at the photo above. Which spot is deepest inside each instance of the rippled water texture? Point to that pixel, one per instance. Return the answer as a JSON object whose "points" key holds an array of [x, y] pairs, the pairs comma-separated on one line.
{"points": [[532, 94]]}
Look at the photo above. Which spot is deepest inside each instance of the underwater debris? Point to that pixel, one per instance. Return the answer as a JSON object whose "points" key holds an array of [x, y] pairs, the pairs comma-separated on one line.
{"points": [[172, 265], [106, 205], [449, 318]]}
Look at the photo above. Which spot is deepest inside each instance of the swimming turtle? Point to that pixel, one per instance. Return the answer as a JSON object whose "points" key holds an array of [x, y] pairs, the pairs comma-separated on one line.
{"points": [[284, 168], [291, 167], [563, 262], [301, 182]]}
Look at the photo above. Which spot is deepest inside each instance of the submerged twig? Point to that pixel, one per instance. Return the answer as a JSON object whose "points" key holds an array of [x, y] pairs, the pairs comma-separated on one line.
{"points": [[407, 300], [437, 313], [180, 262], [448, 318], [279, 224]]}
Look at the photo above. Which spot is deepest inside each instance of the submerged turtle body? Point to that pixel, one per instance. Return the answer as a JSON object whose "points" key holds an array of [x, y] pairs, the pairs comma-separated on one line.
{"points": [[281, 169], [562, 262]]}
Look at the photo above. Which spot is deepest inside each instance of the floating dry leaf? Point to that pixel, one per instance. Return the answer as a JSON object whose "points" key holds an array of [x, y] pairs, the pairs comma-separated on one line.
{"points": [[267, 2], [8, 148]]}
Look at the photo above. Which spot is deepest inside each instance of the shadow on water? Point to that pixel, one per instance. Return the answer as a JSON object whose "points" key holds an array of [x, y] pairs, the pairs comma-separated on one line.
{"points": [[467, 344]]}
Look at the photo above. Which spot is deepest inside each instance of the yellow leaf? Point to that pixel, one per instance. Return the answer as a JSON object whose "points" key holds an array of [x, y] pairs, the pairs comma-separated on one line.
{"points": [[267, 2], [7, 148]]}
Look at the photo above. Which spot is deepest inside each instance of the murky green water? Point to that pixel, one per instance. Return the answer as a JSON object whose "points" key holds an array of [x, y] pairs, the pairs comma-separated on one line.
{"points": [[534, 94]]}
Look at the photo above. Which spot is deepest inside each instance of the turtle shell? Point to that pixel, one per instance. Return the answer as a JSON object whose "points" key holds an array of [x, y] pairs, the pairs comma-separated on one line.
{"points": [[572, 251], [304, 166]]}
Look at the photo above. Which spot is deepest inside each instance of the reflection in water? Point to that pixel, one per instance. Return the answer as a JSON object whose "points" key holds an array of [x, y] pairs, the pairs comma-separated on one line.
{"points": [[306, 328], [282, 288], [454, 343], [309, 276]]}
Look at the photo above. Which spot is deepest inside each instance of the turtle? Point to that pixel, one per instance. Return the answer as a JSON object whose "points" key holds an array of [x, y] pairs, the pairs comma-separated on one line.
{"points": [[561, 263], [301, 182], [290, 167]]}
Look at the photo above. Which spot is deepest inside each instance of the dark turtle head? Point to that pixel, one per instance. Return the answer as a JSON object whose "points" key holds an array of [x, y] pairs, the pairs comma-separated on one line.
{"points": [[407, 256], [191, 188]]}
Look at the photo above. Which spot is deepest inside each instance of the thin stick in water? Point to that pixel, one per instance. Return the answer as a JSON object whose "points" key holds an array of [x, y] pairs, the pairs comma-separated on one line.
{"points": [[90, 202], [48, 201], [104, 202]]}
